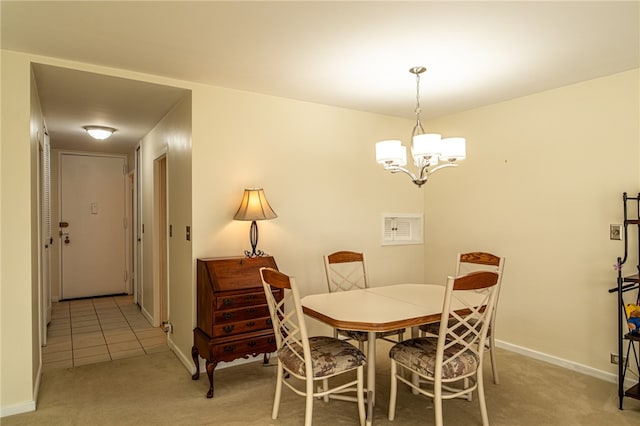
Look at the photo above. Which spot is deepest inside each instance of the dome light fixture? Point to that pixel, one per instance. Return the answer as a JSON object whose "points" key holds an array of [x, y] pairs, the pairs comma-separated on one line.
{"points": [[99, 132]]}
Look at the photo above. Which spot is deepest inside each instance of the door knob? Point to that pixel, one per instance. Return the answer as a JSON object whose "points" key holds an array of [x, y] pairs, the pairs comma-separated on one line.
{"points": [[66, 239]]}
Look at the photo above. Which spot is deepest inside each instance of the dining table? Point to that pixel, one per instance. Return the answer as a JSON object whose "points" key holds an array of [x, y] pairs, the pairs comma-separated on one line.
{"points": [[377, 309]]}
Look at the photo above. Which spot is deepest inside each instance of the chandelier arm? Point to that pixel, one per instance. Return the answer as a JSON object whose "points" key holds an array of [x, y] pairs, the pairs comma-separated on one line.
{"points": [[442, 166], [397, 169]]}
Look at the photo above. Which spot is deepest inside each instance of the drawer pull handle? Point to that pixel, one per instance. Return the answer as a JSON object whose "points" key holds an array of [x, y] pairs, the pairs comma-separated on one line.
{"points": [[251, 343], [227, 302], [251, 310], [251, 324], [228, 328], [271, 340], [227, 315], [230, 348], [250, 297], [269, 322]]}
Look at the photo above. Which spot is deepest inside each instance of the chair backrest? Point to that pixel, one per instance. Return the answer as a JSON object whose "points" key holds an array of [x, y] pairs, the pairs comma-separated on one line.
{"points": [[478, 261], [346, 270], [481, 261], [289, 326], [468, 303]]}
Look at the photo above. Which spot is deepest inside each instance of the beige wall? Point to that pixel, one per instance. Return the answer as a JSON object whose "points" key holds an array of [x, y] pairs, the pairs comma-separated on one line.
{"points": [[543, 180], [317, 166], [18, 304], [171, 137]]}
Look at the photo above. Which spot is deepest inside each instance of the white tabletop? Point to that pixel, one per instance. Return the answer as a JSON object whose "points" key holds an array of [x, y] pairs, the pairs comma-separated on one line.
{"points": [[377, 308]]}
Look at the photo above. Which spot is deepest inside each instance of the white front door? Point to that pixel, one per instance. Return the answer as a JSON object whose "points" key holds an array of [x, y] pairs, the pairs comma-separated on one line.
{"points": [[92, 225]]}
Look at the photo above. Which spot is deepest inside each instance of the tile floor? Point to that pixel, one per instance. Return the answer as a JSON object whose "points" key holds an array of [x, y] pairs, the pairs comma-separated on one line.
{"points": [[101, 329]]}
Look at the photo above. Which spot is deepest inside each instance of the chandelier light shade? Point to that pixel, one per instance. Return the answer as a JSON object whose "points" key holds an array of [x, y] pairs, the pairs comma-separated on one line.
{"points": [[254, 206], [99, 132], [427, 149]]}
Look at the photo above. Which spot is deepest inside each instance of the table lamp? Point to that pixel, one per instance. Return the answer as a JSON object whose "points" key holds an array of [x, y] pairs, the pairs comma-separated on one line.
{"points": [[254, 206]]}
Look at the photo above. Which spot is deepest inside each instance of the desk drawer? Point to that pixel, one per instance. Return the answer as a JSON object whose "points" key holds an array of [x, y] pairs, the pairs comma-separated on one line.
{"points": [[231, 350], [239, 327], [240, 314], [230, 301]]}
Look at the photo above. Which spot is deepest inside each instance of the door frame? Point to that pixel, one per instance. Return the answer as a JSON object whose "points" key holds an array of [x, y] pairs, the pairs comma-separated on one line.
{"points": [[138, 249], [161, 239], [44, 232], [129, 232]]}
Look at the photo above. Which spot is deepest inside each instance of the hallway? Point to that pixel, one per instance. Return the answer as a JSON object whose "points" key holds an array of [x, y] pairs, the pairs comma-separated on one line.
{"points": [[89, 331]]}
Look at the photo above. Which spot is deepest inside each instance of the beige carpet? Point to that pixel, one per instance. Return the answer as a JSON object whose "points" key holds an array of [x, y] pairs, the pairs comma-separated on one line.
{"points": [[156, 389]]}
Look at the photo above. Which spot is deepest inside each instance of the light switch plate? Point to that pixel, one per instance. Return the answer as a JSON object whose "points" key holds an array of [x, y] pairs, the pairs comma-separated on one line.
{"points": [[615, 232]]}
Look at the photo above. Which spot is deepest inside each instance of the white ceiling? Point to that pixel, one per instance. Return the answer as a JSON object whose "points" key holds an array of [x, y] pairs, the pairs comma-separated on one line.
{"points": [[349, 54]]}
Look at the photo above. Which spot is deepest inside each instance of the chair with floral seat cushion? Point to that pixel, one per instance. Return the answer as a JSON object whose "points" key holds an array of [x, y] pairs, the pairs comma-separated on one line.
{"points": [[308, 359], [347, 270], [451, 362], [470, 262]]}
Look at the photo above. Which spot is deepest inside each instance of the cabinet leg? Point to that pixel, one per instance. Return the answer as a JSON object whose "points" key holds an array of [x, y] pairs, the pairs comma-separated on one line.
{"points": [[194, 355], [210, 367], [265, 358]]}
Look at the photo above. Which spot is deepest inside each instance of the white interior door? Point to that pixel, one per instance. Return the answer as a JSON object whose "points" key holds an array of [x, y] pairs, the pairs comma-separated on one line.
{"points": [[92, 225]]}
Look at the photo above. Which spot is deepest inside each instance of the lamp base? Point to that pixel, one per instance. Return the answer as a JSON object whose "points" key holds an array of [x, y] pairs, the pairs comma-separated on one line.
{"points": [[257, 253], [253, 238]]}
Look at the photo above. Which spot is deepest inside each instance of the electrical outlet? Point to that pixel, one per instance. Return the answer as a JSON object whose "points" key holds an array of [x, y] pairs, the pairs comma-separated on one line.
{"points": [[615, 232], [615, 359]]}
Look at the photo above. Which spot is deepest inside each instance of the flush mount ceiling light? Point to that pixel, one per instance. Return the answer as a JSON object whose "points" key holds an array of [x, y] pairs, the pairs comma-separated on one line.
{"points": [[427, 149], [99, 132]]}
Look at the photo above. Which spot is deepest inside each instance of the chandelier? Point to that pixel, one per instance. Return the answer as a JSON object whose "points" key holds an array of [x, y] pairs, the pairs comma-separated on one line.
{"points": [[427, 149]]}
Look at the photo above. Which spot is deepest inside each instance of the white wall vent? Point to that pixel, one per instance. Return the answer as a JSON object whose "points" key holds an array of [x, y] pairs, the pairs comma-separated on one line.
{"points": [[402, 228]]}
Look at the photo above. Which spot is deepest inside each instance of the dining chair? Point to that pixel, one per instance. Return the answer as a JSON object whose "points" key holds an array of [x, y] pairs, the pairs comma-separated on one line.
{"points": [[347, 270], [308, 359], [470, 262], [451, 362]]}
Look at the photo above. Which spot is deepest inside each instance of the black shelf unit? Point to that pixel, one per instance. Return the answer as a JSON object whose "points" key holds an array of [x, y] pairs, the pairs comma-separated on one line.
{"points": [[628, 284]]}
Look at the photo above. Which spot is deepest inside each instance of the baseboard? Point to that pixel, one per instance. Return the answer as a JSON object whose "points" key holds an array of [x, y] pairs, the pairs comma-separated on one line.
{"points": [[187, 360], [560, 362], [146, 314], [23, 407], [36, 388]]}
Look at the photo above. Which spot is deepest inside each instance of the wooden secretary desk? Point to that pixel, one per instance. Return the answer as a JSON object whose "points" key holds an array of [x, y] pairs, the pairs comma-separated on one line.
{"points": [[233, 318]]}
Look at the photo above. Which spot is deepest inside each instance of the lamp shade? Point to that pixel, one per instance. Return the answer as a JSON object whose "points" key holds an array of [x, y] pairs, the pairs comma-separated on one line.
{"points": [[454, 149], [426, 144], [254, 206], [391, 151]]}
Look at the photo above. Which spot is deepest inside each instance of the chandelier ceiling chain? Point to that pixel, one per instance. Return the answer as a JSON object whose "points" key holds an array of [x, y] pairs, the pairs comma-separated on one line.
{"points": [[417, 129], [427, 149]]}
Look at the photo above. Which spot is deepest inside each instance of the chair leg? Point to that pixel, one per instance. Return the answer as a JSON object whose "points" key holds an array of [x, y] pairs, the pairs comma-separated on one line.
{"points": [[481, 400], [325, 387], [276, 399], [466, 386], [360, 391], [437, 401], [308, 412], [393, 390], [400, 336], [494, 363]]}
